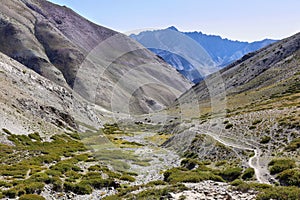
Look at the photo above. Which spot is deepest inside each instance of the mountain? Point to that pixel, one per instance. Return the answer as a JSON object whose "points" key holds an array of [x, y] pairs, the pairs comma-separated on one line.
{"points": [[213, 52], [103, 66], [249, 110], [182, 52], [265, 68], [225, 51]]}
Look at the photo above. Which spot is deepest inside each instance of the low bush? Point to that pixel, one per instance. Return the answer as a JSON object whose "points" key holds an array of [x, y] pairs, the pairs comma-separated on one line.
{"points": [[231, 174], [280, 164], [11, 193], [127, 178], [34, 187], [178, 175], [279, 193], [265, 139], [31, 197], [290, 177], [79, 188], [248, 174]]}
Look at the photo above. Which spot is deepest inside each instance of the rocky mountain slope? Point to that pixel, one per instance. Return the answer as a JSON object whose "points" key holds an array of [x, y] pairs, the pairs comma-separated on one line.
{"points": [[216, 51], [64, 47], [31, 103], [266, 69]]}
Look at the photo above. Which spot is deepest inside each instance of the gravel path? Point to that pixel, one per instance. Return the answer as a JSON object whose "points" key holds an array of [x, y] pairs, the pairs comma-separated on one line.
{"points": [[262, 175]]}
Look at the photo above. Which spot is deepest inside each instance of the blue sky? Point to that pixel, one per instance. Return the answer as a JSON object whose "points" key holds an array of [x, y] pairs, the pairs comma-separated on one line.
{"points": [[243, 20]]}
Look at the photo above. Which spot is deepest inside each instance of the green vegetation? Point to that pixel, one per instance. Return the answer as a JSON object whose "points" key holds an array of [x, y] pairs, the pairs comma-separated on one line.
{"points": [[248, 174], [230, 174], [127, 177], [31, 197], [280, 193], [179, 175], [290, 177], [280, 164], [25, 167], [265, 139]]}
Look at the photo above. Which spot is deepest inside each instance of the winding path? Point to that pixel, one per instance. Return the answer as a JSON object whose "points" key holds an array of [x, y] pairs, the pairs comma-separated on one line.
{"points": [[262, 175]]}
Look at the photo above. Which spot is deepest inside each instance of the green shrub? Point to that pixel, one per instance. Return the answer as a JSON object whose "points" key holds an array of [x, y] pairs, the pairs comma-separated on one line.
{"points": [[248, 173], [35, 136], [280, 164], [79, 188], [265, 139], [39, 177], [127, 178], [156, 182], [5, 184], [11, 193], [231, 174], [31, 197], [236, 182], [95, 168], [57, 184], [280, 193], [99, 183], [34, 187], [178, 175], [290, 177], [220, 163]]}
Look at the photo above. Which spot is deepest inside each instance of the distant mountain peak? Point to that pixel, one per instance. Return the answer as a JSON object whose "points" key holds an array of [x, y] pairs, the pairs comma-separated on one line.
{"points": [[172, 28]]}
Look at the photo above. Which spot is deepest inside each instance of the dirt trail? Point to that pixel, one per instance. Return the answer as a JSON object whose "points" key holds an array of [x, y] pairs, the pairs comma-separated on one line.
{"points": [[262, 175]]}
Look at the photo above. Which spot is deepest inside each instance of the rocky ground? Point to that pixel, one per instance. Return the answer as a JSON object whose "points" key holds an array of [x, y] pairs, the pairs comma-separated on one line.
{"points": [[210, 190]]}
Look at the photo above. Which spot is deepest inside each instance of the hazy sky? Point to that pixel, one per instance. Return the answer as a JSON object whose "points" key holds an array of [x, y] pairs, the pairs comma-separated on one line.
{"points": [[234, 19]]}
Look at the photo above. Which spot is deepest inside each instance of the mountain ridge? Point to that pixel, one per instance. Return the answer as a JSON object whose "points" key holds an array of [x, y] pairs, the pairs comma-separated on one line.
{"points": [[53, 41], [221, 51]]}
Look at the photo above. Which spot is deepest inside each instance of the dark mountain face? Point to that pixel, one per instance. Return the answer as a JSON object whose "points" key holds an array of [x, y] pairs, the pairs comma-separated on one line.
{"points": [[64, 47], [219, 51]]}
